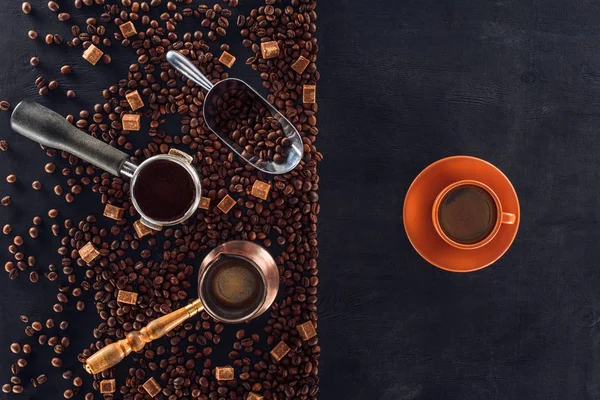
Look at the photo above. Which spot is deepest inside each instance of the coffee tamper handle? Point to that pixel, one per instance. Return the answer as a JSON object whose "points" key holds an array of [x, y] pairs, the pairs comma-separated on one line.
{"points": [[114, 353], [50, 129]]}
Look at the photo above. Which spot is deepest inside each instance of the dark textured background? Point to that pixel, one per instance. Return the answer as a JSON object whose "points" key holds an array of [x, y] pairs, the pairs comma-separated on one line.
{"points": [[404, 84]]}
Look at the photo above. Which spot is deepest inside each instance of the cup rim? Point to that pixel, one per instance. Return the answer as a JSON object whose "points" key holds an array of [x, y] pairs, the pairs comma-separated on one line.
{"points": [[197, 185], [211, 312], [440, 231]]}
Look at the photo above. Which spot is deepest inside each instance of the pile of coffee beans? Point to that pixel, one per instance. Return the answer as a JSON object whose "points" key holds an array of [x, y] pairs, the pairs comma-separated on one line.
{"points": [[247, 121], [161, 267]]}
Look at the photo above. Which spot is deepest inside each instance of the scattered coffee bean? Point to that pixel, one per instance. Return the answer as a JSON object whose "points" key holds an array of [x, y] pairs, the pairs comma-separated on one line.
{"points": [[65, 69], [53, 85], [64, 17], [34, 276], [4, 105], [56, 362], [37, 326], [71, 94], [26, 7], [53, 6], [32, 34], [3, 145], [12, 178], [34, 61], [36, 185], [6, 201], [33, 232], [7, 229], [15, 348]]}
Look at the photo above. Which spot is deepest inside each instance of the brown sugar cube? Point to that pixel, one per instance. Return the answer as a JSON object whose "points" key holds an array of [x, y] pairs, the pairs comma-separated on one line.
{"points": [[306, 330], [123, 296], [141, 229], [260, 189], [131, 122], [254, 396], [300, 65], [204, 203], [88, 252], [226, 204], [128, 29], [152, 387], [135, 100], [108, 386], [113, 212], [309, 94], [93, 54], [280, 351], [224, 373], [227, 59], [269, 49]]}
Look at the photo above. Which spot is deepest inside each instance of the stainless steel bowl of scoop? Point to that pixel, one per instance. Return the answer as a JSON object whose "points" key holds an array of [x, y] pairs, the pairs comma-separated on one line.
{"points": [[293, 153]]}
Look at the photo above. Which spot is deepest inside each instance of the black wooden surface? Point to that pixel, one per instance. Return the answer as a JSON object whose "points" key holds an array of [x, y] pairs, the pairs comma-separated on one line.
{"points": [[404, 84]]}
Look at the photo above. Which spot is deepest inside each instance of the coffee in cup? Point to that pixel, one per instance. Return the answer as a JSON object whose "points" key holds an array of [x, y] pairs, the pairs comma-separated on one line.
{"points": [[468, 214]]}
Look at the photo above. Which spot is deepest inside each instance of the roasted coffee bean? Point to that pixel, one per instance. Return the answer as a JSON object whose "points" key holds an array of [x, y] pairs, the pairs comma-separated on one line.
{"points": [[34, 61], [34, 276], [64, 17], [3, 145], [27, 348], [32, 34], [36, 185], [15, 348], [12, 178], [7, 388], [53, 85], [6, 201], [37, 326], [17, 389], [33, 232], [41, 379], [7, 229], [22, 363], [53, 6], [77, 382], [71, 94], [65, 69], [26, 7], [67, 374], [56, 362], [68, 394]]}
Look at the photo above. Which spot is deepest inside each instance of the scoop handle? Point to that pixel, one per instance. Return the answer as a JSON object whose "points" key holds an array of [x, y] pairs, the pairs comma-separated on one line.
{"points": [[46, 127], [188, 69]]}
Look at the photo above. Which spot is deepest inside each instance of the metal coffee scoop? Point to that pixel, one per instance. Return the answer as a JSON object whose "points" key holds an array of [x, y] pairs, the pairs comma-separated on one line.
{"points": [[46, 127], [293, 154], [252, 253]]}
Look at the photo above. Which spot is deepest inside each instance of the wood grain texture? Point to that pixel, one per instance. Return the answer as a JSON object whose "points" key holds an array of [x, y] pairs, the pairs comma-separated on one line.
{"points": [[404, 84]]}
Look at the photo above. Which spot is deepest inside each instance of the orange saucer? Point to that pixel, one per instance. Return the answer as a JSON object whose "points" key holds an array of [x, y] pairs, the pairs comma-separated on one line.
{"points": [[419, 202]]}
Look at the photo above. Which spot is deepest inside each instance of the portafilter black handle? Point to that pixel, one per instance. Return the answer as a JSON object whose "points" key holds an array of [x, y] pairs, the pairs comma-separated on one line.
{"points": [[46, 127]]}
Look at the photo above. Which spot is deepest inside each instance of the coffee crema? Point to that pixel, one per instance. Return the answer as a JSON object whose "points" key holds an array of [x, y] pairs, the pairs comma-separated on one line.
{"points": [[233, 287], [164, 190], [467, 214]]}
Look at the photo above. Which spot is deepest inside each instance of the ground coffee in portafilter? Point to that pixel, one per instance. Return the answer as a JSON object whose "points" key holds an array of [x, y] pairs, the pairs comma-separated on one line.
{"points": [[467, 214], [233, 288], [164, 190]]}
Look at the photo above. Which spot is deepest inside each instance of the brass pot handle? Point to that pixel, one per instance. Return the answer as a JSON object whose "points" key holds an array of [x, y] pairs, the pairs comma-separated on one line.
{"points": [[114, 353]]}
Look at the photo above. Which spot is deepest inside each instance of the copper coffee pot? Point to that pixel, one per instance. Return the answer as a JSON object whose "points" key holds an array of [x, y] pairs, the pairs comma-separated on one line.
{"points": [[249, 252]]}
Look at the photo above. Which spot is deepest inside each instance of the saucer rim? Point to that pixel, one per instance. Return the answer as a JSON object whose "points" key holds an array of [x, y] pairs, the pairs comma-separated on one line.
{"points": [[505, 248]]}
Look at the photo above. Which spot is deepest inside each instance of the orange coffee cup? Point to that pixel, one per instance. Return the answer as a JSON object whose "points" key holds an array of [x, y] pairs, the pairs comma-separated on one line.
{"points": [[495, 210]]}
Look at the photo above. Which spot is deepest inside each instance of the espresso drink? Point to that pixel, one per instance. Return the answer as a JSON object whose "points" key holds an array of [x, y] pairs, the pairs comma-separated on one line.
{"points": [[164, 190], [467, 214], [233, 288]]}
